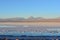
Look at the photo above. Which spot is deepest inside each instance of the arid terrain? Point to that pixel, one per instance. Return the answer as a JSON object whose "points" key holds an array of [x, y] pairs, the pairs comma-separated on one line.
{"points": [[31, 23]]}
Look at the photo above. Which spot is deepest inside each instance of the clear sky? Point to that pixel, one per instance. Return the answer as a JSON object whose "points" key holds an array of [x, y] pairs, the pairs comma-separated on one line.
{"points": [[26, 8]]}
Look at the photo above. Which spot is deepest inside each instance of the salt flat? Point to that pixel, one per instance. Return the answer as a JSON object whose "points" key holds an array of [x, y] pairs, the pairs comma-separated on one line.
{"points": [[31, 23]]}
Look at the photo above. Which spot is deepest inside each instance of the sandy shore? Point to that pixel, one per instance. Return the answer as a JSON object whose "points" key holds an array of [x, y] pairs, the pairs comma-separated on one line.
{"points": [[30, 23]]}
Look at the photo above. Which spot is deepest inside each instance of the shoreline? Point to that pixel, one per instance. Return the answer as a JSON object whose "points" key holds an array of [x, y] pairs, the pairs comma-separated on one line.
{"points": [[30, 23]]}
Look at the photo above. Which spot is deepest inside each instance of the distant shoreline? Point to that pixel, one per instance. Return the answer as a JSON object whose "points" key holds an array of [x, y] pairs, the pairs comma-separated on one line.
{"points": [[30, 23]]}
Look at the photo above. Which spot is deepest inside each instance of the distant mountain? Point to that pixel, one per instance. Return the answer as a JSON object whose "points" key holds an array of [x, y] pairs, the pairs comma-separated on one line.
{"points": [[31, 18], [16, 19], [13, 19]]}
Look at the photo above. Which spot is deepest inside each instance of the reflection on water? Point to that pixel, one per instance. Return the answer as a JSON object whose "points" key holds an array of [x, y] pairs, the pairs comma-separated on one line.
{"points": [[29, 32]]}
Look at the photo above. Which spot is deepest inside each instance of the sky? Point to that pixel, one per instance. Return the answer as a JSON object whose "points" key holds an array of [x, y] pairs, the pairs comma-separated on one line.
{"points": [[26, 8]]}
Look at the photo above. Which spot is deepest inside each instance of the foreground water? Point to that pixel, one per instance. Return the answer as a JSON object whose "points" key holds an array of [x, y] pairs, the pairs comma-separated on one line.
{"points": [[30, 30]]}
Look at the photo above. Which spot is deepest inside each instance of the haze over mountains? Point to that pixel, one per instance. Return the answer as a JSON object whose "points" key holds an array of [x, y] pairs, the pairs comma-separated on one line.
{"points": [[31, 18]]}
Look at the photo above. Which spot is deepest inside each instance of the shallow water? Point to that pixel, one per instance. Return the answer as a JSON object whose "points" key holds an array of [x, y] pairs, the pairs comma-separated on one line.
{"points": [[30, 30]]}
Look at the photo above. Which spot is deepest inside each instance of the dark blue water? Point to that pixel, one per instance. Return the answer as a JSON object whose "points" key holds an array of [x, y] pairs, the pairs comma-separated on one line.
{"points": [[30, 30], [29, 33]]}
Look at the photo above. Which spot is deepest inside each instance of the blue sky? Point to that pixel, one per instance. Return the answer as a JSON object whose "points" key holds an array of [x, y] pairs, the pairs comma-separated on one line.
{"points": [[26, 8]]}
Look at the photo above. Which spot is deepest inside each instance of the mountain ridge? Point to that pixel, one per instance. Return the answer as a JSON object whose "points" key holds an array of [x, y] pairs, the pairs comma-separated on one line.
{"points": [[17, 19]]}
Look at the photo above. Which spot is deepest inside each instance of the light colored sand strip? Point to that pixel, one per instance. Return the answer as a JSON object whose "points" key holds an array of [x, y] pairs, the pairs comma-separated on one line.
{"points": [[30, 23]]}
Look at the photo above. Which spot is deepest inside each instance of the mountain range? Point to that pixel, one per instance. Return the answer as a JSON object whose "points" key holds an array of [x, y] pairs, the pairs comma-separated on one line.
{"points": [[20, 19]]}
